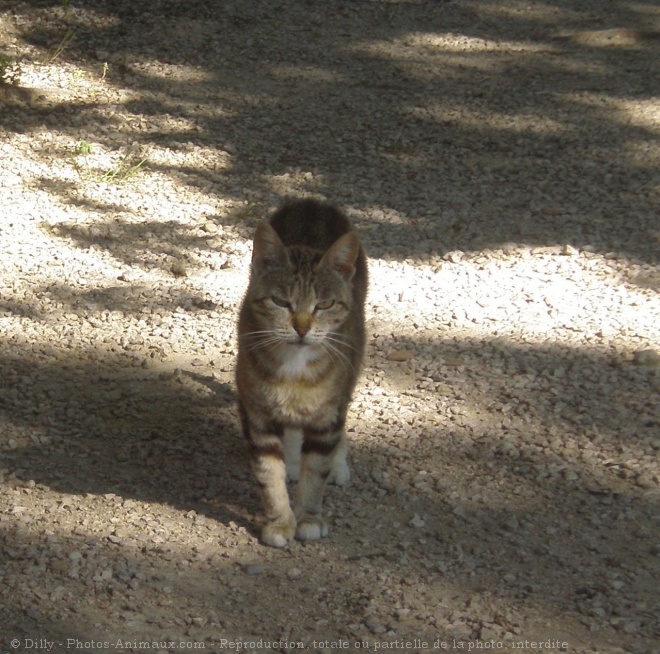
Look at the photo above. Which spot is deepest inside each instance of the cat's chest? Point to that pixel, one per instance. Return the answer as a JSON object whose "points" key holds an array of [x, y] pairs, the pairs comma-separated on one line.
{"points": [[298, 362], [300, 391]]}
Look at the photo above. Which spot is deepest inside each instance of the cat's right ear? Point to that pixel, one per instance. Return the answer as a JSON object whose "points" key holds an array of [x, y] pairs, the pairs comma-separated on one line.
{"points": [[267, 249]]}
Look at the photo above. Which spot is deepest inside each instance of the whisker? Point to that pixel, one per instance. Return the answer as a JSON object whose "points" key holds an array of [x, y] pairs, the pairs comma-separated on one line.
{"points": [[256, 334], [263, 335], [339, 335], [262, 338], [337, 354], [341, 343], [272, 341], [338, 338]]}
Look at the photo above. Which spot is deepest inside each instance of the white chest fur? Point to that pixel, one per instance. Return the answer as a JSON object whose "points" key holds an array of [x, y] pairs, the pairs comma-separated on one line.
{"points": [[296, 361], [298, 395]]}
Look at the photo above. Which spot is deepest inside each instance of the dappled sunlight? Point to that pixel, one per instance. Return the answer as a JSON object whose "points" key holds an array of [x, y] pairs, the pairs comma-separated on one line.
{"points": [[296, 182], [190, 156], [181, 73], [436, 57], [630, 112], [476, 119], [63, 81], [522, 300], [538, 13], [498, 160], [617, 37], [450, 42]]}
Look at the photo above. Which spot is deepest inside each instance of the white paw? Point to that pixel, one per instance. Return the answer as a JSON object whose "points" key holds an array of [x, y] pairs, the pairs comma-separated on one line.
{"points": [[273, 538], [279, 532], [312, 529], [340, 473]]}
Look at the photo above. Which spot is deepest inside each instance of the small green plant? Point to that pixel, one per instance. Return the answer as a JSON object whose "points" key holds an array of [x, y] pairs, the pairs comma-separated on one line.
{"points": [[82, 147], [126, 168], [66, 5], [66, 39]]}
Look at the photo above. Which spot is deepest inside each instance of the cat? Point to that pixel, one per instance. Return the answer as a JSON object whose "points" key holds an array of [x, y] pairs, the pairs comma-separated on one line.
{"points": [[301, 340]]}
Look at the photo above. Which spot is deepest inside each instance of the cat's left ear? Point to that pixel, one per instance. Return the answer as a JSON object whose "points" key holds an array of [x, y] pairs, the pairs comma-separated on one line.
{"points": [[342, 255], [267, 248]]}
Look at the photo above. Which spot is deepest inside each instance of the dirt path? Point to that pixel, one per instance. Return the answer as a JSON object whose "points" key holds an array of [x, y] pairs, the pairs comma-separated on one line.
{"points": [[501, 162]]}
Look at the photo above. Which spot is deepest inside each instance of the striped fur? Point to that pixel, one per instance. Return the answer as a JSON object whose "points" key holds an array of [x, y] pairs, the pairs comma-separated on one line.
{"points": [[301, 341]]}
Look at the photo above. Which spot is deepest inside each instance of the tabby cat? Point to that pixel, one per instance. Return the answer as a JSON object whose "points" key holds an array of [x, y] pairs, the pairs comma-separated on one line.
{"points": [[301, 340]]}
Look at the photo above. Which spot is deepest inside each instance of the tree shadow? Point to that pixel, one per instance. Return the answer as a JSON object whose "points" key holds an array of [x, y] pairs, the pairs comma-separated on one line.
{"points": [[394, 96], [578, 521], [550, 521], [106, 425], [564, 388]]}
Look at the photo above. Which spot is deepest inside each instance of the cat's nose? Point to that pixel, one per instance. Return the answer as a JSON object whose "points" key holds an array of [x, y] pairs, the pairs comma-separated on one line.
{"points": [[302, 323]]}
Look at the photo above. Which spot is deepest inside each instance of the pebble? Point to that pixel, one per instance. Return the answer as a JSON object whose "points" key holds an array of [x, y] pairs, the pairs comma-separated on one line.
{"points": [[400, 355], [417, 522], [456, 256], [253, 568], [179, 269]]}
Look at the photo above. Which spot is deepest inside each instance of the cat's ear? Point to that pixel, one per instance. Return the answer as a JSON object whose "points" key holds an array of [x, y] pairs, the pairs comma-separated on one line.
{"points": [[267, 248], [342, 255]]}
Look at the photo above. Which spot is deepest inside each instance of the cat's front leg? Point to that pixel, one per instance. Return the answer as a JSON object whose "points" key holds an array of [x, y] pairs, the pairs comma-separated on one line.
{"points": [[267, 458], [280, 525], [340, 473], [319, 450]]}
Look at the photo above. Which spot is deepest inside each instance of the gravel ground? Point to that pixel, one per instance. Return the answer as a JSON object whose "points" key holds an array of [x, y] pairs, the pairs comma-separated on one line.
{"points": [[500, 160]]}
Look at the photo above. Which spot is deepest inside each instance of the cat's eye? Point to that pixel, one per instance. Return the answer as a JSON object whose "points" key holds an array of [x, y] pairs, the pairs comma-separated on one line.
{"points": [[278, 301], [323, 305]]}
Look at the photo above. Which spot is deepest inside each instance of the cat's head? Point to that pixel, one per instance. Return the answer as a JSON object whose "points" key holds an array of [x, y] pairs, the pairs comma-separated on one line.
{"points": [[300, 296]]}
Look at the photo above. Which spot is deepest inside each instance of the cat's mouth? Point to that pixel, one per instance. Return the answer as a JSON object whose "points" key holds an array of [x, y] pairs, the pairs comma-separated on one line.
{"points": [[299, 342]]}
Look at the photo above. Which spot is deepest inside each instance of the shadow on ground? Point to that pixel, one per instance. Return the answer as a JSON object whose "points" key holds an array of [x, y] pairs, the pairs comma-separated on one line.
{"points": [[389, 99], [576, 521], [99, 429], [501, 125]]}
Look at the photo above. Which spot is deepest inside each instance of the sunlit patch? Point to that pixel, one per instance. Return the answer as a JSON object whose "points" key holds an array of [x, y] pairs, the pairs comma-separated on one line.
{"points": [[179, 72], [456, 42], [295, 182], [523, 302], [530, 123], [424, 44], [62, 80], [191, 156], [387, 215], [618, 37], [638, 112]]}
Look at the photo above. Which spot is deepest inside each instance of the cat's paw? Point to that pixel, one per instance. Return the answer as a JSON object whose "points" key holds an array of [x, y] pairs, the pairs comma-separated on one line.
{"points": [[340, 473], [279, 532], [311, 529]]}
